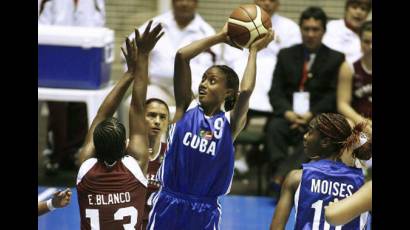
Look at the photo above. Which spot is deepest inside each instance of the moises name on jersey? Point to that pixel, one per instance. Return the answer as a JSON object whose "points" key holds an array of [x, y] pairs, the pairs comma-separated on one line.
{"points": [[109, 199], [331, 188]]}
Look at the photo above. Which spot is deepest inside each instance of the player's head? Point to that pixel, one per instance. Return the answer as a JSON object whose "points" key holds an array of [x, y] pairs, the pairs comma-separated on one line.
{"points": [[219, 85], [312, 24], [109, 140], [366, 38], [156, 116], [356, 12], [329, 134], [184, 9], [270, 6]]}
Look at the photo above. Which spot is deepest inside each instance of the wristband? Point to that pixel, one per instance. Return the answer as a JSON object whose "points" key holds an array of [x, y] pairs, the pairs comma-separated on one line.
{"points": [[50, 205]]}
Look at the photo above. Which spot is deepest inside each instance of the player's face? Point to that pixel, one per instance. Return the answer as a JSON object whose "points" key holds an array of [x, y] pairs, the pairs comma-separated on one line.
{"points": [[312, 33], [270, 6], [156, 116], [366, 42], [184, 8], [212, 89], [311, 141], [356, 14]]}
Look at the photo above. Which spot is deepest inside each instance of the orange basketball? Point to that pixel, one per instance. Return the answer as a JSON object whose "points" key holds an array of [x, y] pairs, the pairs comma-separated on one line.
{"points": [[247, 23]]}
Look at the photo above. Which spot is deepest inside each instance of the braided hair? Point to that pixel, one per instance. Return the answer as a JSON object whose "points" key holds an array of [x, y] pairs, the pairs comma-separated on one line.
{"points": [[342, 136], [109, 140]]}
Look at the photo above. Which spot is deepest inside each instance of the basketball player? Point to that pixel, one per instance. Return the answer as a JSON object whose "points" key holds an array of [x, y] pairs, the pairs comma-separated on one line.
{"points": [[354, 90], [157, 119], [341, 212], [333, 146], [111, 187], [198, 164]]}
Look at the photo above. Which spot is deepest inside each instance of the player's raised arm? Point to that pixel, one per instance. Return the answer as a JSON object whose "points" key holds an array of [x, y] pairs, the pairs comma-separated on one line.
{"points": [[106, 110], [285, 204], [137, 59], [182, 70], [238, 115]]}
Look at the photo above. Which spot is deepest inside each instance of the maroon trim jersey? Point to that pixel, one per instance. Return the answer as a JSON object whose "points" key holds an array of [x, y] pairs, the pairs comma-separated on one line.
{"points": [[153, 183], [111, 197], [362, 90]]}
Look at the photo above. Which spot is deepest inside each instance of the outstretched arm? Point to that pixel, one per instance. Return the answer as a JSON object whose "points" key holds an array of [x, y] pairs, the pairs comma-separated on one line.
{"points": [[282, 211], [238, 115], [59, 200], [344, 211], [106, 110], [137, 57], [182, 70]]}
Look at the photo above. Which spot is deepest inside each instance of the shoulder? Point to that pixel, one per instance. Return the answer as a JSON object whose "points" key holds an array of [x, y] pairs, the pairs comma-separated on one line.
{"points": [[162, 18], [293, 179], [284, 21], [201, 24], [290, 50], [85, 167], [335, 25], [333, 53], [132, 165]]}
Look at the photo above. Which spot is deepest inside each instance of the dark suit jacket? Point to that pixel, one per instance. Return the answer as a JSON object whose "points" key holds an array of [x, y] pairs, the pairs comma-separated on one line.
{"points": [[321, 85]]}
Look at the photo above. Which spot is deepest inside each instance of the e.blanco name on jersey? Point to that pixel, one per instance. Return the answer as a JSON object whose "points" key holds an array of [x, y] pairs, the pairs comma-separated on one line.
{"points": [[110, 198]]}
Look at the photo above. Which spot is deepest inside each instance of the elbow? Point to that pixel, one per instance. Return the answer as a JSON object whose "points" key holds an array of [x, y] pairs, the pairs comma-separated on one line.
{"points": [[341, 107], [331, 218], [247, 91], [181, 55]]}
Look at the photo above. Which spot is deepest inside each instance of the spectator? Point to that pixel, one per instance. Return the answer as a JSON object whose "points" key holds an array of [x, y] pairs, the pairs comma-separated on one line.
{"points": [[182, 26], [67, 121], [59, 200], [308, 70], [343, 34]]}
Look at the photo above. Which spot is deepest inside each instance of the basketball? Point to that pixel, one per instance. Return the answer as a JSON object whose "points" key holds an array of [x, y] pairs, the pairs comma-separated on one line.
{"points": [[247, 23]]}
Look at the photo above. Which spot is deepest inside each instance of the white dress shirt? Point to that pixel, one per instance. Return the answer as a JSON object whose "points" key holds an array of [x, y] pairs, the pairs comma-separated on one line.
{"points": [[339, 37]]}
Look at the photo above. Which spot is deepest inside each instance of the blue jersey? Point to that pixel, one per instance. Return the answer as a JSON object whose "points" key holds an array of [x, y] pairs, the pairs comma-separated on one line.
{"points": [[323, 181], [200, 156]]}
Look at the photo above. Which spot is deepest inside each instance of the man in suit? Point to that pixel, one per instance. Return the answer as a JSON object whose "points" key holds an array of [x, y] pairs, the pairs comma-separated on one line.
{"points": [[303, 85]]}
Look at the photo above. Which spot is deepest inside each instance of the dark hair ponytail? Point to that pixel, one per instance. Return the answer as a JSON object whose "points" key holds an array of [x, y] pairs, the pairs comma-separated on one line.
{"points": [[109, 140], [360, 142], [342, 136]]}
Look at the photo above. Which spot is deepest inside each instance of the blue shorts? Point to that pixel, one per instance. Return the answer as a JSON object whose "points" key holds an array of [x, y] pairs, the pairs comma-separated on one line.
{"points": [[181, 211]]}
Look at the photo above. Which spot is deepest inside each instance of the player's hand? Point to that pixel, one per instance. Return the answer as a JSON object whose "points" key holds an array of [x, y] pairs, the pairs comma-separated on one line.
{"points": [[61, 198], [130, 55], [147, 41], [227, 39], [305, 118], [262, 42], [331, 203]]}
